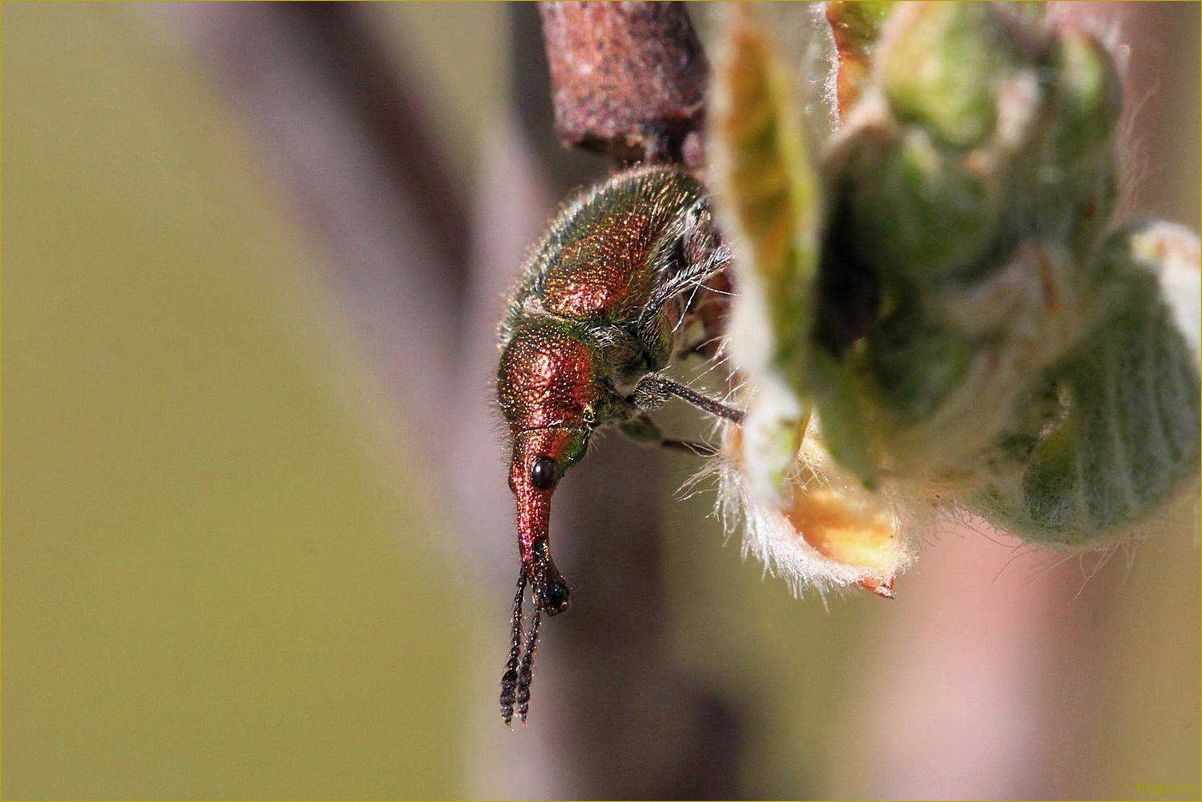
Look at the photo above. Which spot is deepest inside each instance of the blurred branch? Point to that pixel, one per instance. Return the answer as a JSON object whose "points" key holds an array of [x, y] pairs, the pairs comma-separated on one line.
{"points": [[393, 118], [628, 79], [609, 692], [344, 140]]}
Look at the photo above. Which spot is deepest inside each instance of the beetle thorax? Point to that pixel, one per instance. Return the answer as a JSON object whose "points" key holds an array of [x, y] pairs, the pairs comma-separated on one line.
{"points": [[548, 377]]}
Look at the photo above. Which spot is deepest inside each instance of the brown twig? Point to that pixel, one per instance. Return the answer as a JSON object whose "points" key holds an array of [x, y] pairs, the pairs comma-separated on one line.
{"points": [[394, 117], [310, 88], [628, 79]]}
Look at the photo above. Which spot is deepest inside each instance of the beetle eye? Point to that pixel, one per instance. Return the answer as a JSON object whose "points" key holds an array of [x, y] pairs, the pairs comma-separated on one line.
{"points": [[542, 473]]}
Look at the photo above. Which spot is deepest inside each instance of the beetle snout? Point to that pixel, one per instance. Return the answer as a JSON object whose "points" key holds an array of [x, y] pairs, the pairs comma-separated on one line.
{"points": [[552, 594]]}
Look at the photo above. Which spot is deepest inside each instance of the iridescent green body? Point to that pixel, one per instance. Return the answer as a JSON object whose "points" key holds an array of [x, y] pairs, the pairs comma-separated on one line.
{"points": [[605, 259], [600, 304]]}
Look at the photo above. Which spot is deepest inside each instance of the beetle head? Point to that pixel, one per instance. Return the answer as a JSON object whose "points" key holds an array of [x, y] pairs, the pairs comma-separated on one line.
{"points": [[549, 392], [540, 457]]}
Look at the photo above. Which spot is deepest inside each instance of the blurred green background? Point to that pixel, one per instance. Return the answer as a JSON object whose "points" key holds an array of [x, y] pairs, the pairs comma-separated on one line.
{"points": [[218, 580], [210, 586]]}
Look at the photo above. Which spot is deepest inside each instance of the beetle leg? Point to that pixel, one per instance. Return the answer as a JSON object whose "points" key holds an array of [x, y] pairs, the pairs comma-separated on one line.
{"points": [[653, 390], [691, 446], [640, 428], [693, 276]]}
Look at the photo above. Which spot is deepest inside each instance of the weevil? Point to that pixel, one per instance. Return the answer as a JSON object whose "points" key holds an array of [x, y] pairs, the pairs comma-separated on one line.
{"points": [[602, 306]]}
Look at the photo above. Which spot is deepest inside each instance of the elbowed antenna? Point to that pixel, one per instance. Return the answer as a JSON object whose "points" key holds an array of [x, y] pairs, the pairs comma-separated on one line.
{"points": [[526, 667], [519, 669], [509, 680]]}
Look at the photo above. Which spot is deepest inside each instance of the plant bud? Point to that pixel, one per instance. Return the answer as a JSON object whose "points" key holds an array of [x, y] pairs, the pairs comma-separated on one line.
{"points": [[942, 297], [761, 166], [918, 208], [1088, 100], [940, 65]]}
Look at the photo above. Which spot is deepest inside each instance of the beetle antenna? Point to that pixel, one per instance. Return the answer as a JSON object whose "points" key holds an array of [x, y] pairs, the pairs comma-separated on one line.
{"points": [[526, 672], [509, 679]]}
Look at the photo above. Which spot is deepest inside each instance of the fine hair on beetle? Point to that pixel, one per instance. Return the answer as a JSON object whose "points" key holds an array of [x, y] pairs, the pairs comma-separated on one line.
{"points": [[609, 298]]}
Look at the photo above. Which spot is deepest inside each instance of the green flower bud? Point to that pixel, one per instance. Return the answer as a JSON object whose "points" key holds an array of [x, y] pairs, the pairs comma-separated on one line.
{"points": [[1088, 98], [940, 292], [941, 65], [1087, 106], [915, 361], [918, 208]]}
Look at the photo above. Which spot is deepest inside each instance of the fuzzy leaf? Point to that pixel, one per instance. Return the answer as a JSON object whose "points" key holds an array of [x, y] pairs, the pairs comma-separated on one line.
{"points": [[1126, 437], [770, 200], [855, 27]]}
